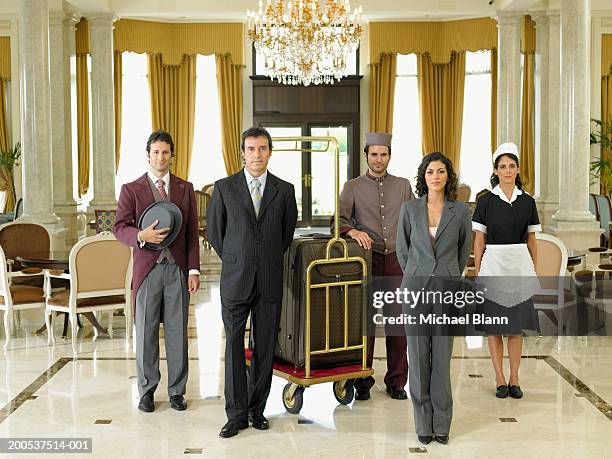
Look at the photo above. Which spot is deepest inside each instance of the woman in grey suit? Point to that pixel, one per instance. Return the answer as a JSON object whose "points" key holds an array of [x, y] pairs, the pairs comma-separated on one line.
{"points": [[433, 239]]}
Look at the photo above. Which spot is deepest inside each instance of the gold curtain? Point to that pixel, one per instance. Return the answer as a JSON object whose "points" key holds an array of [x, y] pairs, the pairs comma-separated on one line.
{"points": [[82, 87], [382, 93], [117, 77], [173, 40], [7, 182], [606, 84], [441, 90], [493, 100], [606, 106], [5, 58], [527, 150], [439, 39], [173, 106], [229, 84]]}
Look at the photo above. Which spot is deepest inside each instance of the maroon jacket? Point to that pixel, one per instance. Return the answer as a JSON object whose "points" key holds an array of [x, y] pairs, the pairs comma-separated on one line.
{"points": [[135, 197]]}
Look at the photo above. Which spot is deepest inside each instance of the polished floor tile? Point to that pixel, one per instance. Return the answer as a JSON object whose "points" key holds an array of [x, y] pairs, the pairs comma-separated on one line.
{"points": [[45, 393]]}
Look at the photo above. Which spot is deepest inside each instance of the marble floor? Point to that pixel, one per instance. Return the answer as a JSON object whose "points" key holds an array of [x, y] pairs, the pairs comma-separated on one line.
{"points": [[44, 392]]}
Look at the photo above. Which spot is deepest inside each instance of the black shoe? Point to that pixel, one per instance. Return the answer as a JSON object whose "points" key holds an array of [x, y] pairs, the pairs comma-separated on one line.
{"points": [[362, 393], [398, 393], [178, 403], [515, 391], [231, 428], [147, 403], [502, 391], [259, 421], [425, 439], [442, 439]]}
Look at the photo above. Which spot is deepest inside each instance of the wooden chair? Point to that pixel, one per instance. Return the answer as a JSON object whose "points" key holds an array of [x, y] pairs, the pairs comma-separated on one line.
{"points": [[201, 201], [463, 192], [556, 292], [100, 280], [14, 297], [17, 238]]}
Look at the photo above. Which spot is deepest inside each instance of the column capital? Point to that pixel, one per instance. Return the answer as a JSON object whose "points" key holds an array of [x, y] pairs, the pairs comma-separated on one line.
{"points": [[545, 16], [59, 18], [102, 19], [508, 17]]}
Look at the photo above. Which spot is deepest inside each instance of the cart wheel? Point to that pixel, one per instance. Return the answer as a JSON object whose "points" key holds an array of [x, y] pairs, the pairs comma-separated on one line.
{"points": [[346, 394], [293, 404]]}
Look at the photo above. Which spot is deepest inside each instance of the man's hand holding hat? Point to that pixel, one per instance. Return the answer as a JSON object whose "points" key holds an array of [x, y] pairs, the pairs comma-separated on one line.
{"points": [[152, 235]]}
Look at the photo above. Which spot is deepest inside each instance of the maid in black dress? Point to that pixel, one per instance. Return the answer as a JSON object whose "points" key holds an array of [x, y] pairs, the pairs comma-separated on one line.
{"points": [[505, 223]]}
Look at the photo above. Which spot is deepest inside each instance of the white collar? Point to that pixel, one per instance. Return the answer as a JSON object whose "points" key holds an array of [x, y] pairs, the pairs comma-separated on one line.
{"points": [[154, 178], [262, 178], [515, 193]]}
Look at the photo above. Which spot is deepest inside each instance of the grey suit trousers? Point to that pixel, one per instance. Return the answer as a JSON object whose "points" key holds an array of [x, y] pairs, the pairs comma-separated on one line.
{"points": [[429, 382], [162, 293]]}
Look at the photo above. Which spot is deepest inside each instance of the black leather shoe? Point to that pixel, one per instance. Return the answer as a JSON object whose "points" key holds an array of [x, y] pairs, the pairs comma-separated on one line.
{"points": [[515, 391], [362, 394], [502, 391], [398, 393], [147, 403], [178, 402], [259, 421], [425, 439], [231, 428], [442, 439]]}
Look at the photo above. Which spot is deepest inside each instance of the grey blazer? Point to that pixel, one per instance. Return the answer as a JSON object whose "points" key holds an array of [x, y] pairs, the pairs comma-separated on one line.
{"points": [[448, 254]]}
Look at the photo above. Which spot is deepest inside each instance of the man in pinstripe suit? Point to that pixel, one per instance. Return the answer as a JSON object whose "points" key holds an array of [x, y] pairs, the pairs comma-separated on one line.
{"points": [[251, 220]]}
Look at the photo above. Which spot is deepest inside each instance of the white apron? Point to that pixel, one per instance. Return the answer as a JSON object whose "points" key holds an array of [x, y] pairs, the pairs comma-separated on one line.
{"points": [[508, 274]]}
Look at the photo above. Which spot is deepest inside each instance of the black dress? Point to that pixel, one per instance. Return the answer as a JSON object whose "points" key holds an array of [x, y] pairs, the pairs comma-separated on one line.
{"points": [[506, 224]]}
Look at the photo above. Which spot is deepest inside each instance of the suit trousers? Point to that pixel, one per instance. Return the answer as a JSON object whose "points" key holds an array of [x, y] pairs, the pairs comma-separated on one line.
{"points": [[430, 384], [162, 293], [397, 362], [242, 396]]}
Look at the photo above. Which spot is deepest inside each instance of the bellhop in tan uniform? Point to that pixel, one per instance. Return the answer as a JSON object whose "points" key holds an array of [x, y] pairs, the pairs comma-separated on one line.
{"points": [[369, 213]]}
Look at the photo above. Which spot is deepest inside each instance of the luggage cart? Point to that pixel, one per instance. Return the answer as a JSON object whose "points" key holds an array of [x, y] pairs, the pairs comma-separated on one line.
{"points": [[343, 376]]}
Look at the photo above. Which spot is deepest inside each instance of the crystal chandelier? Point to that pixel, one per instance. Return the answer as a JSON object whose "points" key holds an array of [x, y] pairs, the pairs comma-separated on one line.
{"points": [[305, 42]]}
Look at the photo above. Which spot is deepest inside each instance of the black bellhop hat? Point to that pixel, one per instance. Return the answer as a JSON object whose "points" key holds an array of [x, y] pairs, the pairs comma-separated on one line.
{"points": [[169, 216]]}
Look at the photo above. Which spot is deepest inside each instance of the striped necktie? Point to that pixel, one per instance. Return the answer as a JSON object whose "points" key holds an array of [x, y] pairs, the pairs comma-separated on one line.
{"points": [[256, 195], [161, 187]]}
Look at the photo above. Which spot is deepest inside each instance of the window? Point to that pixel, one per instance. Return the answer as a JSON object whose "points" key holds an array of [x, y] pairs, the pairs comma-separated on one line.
{"points": [[207, 163], [207, 159], [135, 119], [476, 166], [406, 143]]}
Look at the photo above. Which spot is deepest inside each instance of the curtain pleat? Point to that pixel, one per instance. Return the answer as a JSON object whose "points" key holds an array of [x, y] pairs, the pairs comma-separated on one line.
{"points": [[382, 93], [118, 83], [527, 150], [441, 88], [229, 84], [7, 182], [173, 106], [82, 87]]}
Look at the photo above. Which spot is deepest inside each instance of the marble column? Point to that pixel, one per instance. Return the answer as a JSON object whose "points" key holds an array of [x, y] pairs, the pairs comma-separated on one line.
{"points": [[103, 111], [62, 41], [573, 222], [547, 95], [509, 77], [35, 112]]}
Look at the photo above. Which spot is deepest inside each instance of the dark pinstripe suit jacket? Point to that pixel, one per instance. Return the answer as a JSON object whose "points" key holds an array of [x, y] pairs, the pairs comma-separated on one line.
{"points": [[251, 248]]}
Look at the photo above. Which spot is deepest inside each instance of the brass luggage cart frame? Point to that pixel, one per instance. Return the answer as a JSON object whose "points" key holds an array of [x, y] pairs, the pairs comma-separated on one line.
{"points": [[342, 376]]}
